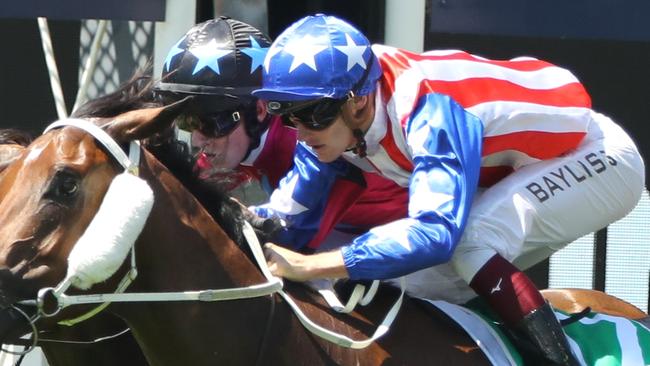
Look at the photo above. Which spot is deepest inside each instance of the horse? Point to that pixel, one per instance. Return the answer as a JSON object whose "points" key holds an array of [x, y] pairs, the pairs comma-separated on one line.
{"points": [[48, 196]]}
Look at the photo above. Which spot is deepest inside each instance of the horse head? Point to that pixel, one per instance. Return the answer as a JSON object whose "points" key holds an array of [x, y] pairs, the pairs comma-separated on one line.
{"points": [[50, 192]]}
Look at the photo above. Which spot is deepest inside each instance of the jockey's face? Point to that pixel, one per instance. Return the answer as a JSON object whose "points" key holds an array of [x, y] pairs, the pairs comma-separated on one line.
{"points": [[225, 152], [330, 143]]}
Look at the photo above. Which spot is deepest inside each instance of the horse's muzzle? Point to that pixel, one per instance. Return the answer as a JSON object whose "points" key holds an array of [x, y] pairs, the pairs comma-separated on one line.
{"points": [[6, 294], [13, 322], [13, 325]]}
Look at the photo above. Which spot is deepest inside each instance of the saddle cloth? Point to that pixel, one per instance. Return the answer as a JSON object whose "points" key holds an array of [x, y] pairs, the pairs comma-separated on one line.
{"points": [[596, 339]]}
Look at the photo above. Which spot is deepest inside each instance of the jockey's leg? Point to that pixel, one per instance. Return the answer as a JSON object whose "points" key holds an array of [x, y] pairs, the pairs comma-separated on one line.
{"points": [[540, 208], [513, 296]]}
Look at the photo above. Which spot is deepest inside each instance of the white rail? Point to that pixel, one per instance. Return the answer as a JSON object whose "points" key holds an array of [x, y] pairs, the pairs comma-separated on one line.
{"points": [[55, 81]]}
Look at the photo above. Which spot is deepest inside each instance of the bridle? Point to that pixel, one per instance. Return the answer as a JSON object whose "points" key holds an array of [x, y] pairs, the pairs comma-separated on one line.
{"points": [[273, 285]]}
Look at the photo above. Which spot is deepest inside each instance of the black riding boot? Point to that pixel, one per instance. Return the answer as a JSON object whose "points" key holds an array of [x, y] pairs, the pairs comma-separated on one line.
{"points": [[542, 329]]}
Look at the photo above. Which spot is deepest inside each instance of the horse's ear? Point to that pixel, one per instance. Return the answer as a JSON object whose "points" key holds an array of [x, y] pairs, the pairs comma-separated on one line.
{"points": [[143, 123], [8, 154]]}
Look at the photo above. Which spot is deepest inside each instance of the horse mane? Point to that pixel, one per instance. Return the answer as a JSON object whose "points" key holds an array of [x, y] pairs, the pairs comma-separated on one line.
{"points": [[137, 93], [13, 136]]}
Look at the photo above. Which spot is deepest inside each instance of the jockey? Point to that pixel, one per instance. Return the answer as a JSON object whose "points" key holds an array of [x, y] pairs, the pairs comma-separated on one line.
{"points": [[504, 161], [219, 63]]}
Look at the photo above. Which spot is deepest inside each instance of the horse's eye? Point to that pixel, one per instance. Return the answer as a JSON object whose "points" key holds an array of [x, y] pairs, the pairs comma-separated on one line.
{"points": [[65, 185]]}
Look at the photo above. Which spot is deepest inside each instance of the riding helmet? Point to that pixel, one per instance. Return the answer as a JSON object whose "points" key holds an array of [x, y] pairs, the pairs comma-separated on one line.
{"points": [[221, 57], [319, 56]]}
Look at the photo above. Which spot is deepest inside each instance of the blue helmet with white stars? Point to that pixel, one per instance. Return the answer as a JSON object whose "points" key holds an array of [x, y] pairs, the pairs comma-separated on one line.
{"points": [[319, 57], [218, 58]]}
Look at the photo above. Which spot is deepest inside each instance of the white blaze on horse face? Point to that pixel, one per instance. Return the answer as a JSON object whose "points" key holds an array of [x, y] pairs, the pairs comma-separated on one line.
{"points": [[34, 154]]}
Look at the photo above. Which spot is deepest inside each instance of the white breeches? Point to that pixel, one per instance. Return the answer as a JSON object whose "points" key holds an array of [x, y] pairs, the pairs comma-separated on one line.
{"points": [[542, 207]]}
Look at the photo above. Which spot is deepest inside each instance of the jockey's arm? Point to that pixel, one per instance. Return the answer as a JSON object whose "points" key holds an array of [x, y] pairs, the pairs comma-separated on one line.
{"points": [[446, 145]]}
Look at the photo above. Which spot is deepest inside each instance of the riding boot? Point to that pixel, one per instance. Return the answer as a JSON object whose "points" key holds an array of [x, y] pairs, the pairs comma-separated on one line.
{"points": [[543, 330]]}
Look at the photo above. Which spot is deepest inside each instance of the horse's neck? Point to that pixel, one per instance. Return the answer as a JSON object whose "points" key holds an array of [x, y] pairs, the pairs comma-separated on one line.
{"points": [[181, 227], [183, 249]]}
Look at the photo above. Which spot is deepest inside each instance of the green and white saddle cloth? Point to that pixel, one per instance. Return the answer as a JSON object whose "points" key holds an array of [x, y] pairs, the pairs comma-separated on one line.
{"points": [[596, 339]]}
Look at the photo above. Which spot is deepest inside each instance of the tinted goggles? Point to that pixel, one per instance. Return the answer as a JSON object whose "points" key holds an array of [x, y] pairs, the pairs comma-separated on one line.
{"points": [[213, 116], [314, 114], [215, 124]]}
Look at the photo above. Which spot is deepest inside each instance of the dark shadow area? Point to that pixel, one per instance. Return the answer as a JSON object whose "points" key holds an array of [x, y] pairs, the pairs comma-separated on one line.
{"points": [[25, 92]]}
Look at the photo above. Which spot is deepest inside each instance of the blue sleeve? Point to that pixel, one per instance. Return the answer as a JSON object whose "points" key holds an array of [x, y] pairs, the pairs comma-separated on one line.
{"points": [[301, 197], [445, 142]]}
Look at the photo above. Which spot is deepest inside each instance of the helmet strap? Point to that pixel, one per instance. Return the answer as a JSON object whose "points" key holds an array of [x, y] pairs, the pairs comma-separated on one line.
{"points": [[255, 129], [359, 134], [360, 147]]}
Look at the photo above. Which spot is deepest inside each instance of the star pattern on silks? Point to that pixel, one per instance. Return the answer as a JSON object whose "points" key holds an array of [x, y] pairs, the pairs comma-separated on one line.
{"points": [[282, 199], [354, 52], [256, 53], [304, 51], [423, 198], [396, 231], [272, 52], [175, 50], [421, 133], [208, 55]]}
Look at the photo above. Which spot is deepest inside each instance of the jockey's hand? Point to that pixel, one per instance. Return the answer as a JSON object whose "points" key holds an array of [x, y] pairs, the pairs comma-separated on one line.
{"points": [[265, 228], [295, 266]]}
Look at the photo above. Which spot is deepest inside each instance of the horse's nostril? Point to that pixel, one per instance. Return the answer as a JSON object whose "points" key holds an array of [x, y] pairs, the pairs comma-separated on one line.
{"points": [[22, 250]]}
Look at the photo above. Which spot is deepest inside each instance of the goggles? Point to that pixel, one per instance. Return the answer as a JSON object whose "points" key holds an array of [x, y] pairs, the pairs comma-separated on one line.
{"points": [[313, 114], [213, 116], [215, 124]]}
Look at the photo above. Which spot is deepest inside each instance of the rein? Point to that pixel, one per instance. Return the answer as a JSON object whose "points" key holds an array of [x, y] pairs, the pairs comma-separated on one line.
{"points": [[50, 301]]}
